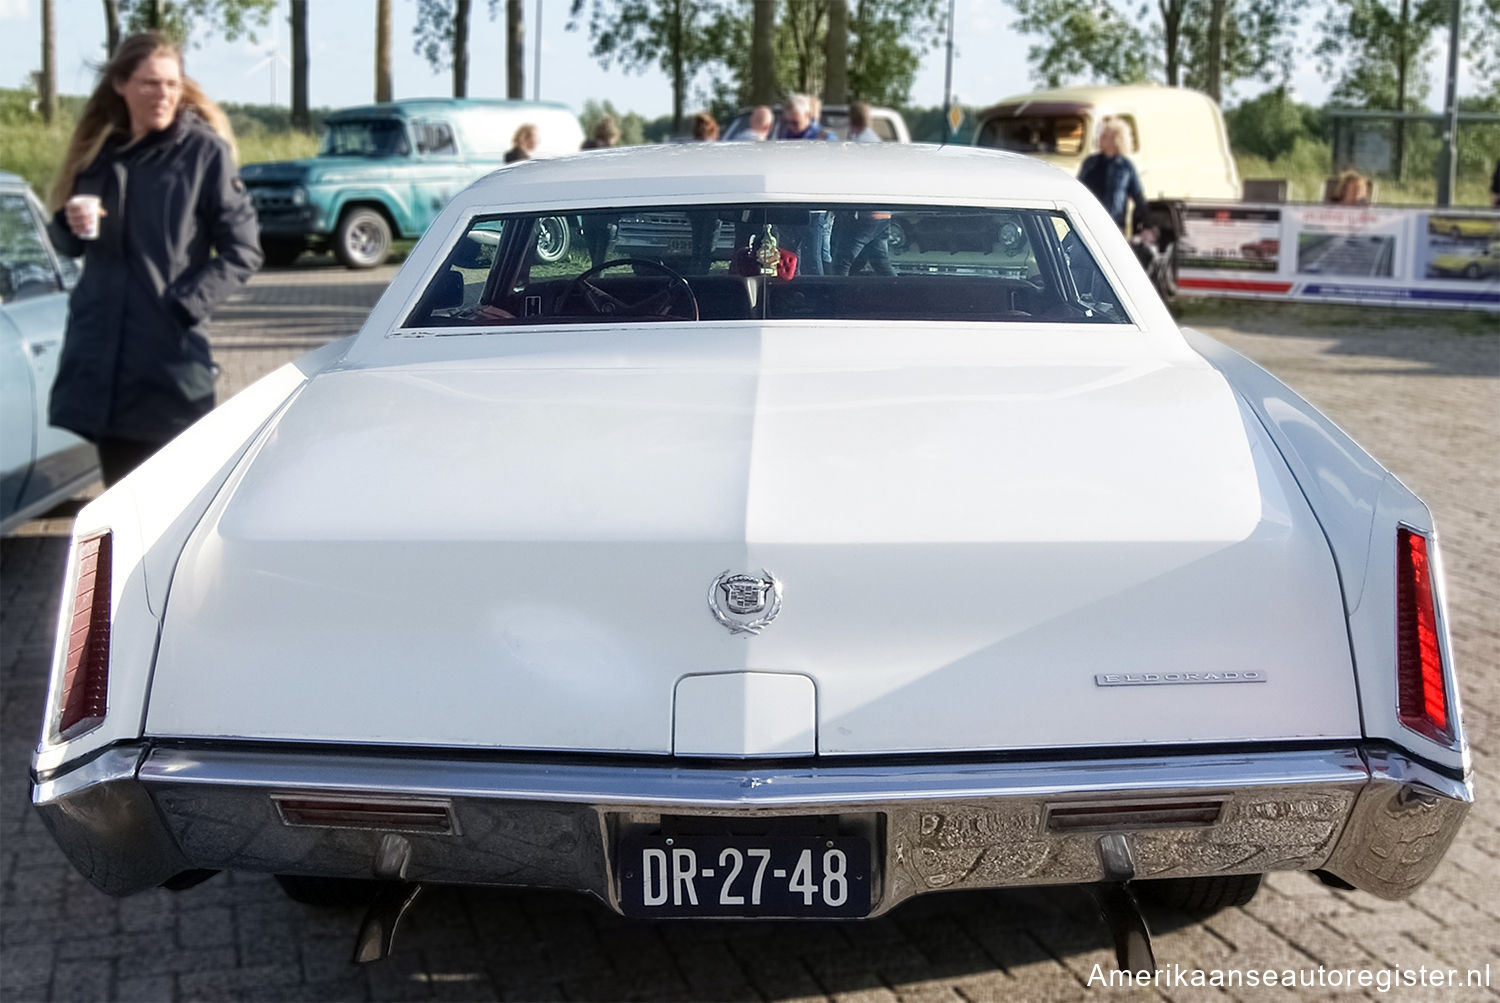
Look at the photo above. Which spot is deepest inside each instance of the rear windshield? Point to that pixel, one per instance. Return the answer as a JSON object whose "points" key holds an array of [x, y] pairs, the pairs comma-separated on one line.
{"points": [[769, 262], [1061, 134]]}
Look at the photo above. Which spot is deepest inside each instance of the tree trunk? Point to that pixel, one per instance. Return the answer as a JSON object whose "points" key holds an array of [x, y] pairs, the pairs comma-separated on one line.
{"points": [[156, 14], [836, 72], [461, 48], [111, 27], [1403, 58], [1171, 23], [383, 50], [515, 49], [300, 118], [48, 80], [679, 85], [762, 53], [1214, 85]]}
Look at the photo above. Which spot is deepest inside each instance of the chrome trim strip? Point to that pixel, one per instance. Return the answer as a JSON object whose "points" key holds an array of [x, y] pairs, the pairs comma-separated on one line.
{"points": [[671, 785], [108, 767]]}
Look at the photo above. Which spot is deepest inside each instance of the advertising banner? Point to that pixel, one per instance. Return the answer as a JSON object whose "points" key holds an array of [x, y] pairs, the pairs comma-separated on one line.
{"points": [[1346, 254]]}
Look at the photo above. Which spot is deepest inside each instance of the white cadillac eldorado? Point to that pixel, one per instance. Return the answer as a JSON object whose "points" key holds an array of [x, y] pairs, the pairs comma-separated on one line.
{"points": [[758, 584]]}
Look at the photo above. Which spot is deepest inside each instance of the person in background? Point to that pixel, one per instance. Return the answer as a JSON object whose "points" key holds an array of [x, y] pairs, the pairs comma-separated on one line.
{"points": [[1495, 187], [1350, 188], [859, 124], [599, 229], [605, 135], [1111, 176], [150, 196], [522, 144], [758, 130], [705, 224], [705, 129], [798, 121], [812, 240]]}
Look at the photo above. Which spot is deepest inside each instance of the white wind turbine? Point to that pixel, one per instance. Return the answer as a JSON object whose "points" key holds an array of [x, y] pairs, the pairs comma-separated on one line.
{"points": [[273, 60]]}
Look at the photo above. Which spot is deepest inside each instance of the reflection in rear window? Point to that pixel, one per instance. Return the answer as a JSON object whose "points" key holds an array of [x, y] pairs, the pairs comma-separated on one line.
{"points": [[1062, 134], [766, 262]]}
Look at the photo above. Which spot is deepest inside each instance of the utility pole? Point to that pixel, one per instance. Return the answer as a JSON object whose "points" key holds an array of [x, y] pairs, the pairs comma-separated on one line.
{"points": [[948, 115], [48, 87], [536, 73], [1448, 163]]}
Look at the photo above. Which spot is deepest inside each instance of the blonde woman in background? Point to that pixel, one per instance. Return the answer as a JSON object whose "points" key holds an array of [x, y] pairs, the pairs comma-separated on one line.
{"points": [[523, 144], [150, 196], [1111, 176]]}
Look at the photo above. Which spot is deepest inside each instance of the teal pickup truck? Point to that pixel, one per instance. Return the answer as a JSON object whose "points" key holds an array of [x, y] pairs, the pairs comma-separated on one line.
{"points": [[384, 172]]}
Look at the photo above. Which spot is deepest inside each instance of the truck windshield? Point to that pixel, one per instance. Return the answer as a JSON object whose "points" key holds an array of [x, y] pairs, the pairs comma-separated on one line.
{"points": [[1034, 134], [381, 137]]}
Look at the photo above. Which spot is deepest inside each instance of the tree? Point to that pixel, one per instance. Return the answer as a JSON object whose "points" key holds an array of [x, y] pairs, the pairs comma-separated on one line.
{"points": [[1377, 49], [300, 118], [763, 53], [383, 87], [1082, 40], [888, 42], [632, 126], [181, 20], [515, 49], [48, 81], [1206, 44], [442, 38], [836, 48], [111, 27], [680, 36]]}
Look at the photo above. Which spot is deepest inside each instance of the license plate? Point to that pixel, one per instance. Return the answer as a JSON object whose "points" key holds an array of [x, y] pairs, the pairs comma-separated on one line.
{"points": [[783, 876]]}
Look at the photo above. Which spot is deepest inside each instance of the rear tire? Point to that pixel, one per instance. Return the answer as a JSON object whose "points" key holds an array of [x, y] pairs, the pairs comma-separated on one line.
{"points": [[1200, 896], [328, 893], [281, 253], [552, 239], [363, 239]]}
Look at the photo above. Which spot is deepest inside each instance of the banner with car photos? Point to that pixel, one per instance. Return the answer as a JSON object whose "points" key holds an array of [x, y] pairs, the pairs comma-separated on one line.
{"points": [[1347, 254]]}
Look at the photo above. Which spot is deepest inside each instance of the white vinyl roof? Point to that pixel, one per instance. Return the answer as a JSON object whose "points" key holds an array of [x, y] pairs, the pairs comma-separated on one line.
{"points": [[748, 171]]}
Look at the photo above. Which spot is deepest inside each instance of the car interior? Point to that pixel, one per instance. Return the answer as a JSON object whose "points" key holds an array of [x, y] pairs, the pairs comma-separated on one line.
{"points": [[754, 262]]}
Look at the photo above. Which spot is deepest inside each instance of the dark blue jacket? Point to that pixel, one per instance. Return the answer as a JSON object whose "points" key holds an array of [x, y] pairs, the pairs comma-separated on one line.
{"points": [[180, 237], [1114, 182]]}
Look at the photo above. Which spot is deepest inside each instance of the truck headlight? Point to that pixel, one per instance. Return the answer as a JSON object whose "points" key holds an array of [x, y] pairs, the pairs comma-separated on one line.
{"points": [[299, 195]]}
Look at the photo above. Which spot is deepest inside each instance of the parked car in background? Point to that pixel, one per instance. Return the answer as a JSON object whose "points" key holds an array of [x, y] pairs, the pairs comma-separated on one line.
{"points": [[887, 123], [1461, 227], [1478, 265], [384, 172], [1181, 145], [761, 594], [39, 465]]}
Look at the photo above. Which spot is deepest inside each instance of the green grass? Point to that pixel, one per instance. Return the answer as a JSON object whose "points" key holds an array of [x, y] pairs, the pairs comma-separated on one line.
{"points": [[1306, 166]]}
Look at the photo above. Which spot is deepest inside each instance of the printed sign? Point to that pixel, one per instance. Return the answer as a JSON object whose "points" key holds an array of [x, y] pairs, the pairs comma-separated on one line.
{"points": [[1347, 254]]}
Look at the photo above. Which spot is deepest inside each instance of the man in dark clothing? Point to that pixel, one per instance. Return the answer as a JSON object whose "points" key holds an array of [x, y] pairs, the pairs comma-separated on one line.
{"points": [[1112, 178]]}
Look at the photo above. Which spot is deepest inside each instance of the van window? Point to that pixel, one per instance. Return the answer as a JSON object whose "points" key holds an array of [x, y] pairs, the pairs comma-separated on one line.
{"points": [[1063, 134], [435, 137], [380, 137]]}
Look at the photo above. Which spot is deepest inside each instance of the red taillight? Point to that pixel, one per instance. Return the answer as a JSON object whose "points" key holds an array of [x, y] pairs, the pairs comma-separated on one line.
{"points": [[85, 687], [1421, 697]]}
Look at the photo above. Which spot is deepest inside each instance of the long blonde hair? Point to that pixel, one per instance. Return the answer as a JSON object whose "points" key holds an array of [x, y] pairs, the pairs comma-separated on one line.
{"points": [[106, 112]]}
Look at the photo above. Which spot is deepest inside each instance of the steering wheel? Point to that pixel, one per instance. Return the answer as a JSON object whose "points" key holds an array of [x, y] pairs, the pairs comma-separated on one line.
{"points": [[606, 304]]}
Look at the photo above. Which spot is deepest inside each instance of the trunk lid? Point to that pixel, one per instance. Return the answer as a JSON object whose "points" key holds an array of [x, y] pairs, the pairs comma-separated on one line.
{"points": [[984, 543]]}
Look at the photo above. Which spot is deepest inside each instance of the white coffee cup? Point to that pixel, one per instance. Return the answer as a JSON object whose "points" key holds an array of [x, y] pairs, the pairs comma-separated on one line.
{"points": [[90, 206]]}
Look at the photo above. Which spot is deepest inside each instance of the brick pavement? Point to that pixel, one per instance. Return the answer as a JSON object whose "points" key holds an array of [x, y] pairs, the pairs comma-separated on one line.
{"points": [[1425, 399]]}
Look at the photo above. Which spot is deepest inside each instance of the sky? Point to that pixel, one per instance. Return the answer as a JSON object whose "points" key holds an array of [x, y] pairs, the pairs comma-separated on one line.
{"points": [[341, 70]]}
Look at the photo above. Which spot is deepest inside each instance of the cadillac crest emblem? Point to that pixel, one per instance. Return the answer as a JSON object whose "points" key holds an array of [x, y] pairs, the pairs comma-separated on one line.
{"points": [[745, 603]]}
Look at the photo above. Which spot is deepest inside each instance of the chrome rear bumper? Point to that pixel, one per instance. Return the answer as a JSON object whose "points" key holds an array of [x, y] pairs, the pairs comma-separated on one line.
{"points": [[135, 816]]}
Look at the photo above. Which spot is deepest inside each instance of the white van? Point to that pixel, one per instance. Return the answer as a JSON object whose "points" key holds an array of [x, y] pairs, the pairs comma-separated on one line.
{"points": [[1181, 147]]}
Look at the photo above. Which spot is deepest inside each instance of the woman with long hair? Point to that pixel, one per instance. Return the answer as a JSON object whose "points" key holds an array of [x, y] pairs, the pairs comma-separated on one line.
{"points": [[150, 196]]}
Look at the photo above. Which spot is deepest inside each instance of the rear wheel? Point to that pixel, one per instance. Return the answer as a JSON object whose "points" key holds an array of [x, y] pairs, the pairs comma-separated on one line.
{"points": [[1200, 896], [328, 893], [363, 239], [280, 252], [552, 239]]}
